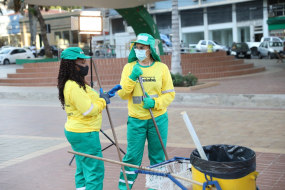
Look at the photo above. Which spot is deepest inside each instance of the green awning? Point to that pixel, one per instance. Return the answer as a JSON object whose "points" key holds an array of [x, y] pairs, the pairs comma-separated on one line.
{"points": [[276, 23]]}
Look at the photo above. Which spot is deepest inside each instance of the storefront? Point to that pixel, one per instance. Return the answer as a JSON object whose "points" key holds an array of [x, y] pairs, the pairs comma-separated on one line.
{"points": [[276, 27], [244, 34], [224, 37]]}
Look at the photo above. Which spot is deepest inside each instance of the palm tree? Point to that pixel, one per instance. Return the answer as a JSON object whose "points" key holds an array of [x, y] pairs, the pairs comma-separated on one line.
{"points": [[33, 26], [176, 56], [35, 10]]}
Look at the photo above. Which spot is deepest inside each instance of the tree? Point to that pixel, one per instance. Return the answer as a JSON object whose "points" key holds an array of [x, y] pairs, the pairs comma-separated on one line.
{"points": [[43, 30], [35, 10], [33, 25], [176, 56]]}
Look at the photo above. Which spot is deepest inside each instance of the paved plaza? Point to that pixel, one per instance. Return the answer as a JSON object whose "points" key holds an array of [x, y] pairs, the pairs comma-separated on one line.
{"points": [[33, 147]]}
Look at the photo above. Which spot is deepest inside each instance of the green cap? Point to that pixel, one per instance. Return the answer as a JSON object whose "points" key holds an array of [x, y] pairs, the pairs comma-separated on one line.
{"points": [[145, 39], [73, 53]]}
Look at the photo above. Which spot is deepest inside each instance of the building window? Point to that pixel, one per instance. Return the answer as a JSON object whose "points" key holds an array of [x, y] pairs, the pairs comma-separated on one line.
{"points": [[66, 37], [74, 36], [118, 25], [163, 21], [219, 14], [278, 9], [249, 11], [192, 18], [57, 36]]}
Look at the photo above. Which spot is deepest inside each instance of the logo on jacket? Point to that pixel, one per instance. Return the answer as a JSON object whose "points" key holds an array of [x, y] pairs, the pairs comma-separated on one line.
{"points": [[149, 79]]}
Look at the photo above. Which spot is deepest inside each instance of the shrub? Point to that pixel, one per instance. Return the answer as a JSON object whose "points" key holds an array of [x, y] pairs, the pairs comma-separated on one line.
{"points": [[188, 80]]}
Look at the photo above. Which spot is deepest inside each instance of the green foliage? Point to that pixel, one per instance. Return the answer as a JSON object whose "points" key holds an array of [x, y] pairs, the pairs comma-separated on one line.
{"points": [[177, 79], [188, 80], [33, 11]]}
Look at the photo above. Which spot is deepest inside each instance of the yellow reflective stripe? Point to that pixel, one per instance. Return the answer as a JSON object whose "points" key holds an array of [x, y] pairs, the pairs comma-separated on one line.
{"points": [[88, 111]]}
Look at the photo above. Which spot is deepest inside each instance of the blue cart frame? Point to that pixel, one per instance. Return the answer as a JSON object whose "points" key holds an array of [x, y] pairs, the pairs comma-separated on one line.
{"points": [[205, 184]]}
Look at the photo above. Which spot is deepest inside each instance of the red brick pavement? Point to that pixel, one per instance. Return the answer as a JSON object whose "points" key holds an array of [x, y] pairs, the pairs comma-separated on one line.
{"points": [[51, 171]]}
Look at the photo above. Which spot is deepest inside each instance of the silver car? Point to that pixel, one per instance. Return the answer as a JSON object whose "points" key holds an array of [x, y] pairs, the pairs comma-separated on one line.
{"points": [[269, 49], [105, 49]]}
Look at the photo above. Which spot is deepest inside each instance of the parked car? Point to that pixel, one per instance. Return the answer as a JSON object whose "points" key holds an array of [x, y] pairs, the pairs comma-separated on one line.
{"points": [[6, 47], [240, 50], [267, 49], [202, 46], [253, 46], [53, 48], [9, 55], [27, 47], [105, 49]]}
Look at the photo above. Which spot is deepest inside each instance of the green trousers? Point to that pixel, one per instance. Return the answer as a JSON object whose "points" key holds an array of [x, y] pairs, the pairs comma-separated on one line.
{"points": [[137, 132], [89, 172]]}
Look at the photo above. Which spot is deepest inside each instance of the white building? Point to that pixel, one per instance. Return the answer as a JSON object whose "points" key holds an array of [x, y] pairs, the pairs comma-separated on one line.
{"points": [[226, 21]]}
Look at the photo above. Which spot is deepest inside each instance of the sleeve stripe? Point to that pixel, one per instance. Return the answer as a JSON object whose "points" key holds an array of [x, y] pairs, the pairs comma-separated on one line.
{"points": [[88, 111], [166, 91]]}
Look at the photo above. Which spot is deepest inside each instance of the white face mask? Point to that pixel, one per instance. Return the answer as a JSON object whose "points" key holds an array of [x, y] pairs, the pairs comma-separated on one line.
{"points": [[141, 54]]}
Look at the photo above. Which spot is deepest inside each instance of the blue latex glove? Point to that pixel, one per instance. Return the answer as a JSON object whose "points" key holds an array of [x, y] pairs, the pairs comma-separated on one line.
{"points": [[148, 102], [113, 91], [105, 96]]}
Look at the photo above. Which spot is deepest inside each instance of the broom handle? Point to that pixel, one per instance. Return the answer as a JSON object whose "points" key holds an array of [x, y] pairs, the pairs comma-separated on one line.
{"points": [[154, 122], [194, 135], [134, 166], [112, 127]]}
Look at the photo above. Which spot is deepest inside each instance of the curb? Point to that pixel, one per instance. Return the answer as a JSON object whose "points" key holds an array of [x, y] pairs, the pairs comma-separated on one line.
{"points": [[195, 99]]}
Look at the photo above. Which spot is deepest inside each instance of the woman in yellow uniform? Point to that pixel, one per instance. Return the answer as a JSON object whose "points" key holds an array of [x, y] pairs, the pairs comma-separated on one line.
{"points": [[144, 62], [83, 106]]}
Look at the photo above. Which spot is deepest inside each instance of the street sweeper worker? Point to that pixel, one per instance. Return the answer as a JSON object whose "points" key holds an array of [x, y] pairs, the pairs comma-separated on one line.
{"points": [[83, 106], [145, 62]]}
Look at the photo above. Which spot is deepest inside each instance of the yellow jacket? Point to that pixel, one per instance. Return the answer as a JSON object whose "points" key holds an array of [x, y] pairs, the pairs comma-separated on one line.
{"points": [[157, 83], [83, 108]]}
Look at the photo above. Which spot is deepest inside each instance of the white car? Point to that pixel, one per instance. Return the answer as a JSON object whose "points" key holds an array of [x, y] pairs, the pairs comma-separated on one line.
{"points": [[9, 55], [267, 49], [3, 47], [253, 46], [202, 46]]}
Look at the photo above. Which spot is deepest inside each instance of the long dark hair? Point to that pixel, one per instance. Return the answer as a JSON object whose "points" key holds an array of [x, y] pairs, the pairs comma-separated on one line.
{"points": [[68, 71]]}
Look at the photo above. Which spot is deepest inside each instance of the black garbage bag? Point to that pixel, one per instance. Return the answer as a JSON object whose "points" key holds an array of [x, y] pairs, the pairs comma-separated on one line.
{"points": [[225, 161]]}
